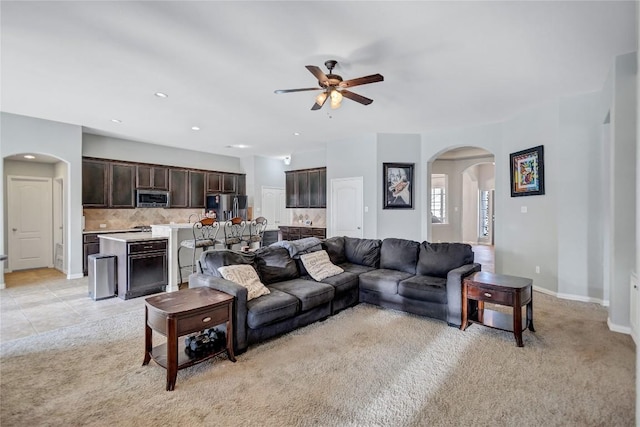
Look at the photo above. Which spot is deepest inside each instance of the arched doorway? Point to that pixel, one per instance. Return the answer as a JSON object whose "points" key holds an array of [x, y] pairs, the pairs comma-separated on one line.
{"points": [[461, 189]]}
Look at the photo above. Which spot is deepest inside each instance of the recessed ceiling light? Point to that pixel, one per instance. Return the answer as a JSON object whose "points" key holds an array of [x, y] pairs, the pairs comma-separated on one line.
{"points": [[296, 133], [29, 156], [116, 121], [195, 128], [161, 95], [237, 146]]}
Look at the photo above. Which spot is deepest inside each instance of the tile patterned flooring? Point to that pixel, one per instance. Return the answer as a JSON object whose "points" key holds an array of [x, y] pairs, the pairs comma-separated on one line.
{"points": [[40, 300]]}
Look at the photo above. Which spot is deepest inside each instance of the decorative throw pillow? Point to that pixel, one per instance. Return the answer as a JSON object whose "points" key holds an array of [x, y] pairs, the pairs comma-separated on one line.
{"points": [[245, 275], [319, 266]]}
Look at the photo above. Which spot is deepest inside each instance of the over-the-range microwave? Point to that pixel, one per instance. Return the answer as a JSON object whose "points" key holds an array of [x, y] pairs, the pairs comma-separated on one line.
{"points": [[152, 199]]}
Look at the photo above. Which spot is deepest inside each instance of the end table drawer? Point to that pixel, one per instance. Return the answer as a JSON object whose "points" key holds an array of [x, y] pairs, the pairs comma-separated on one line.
{"points": [[204, 320], [489, 295]]}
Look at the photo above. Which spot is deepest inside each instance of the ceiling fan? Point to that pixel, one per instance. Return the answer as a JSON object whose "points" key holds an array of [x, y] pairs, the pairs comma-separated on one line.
{"points": [[334, 88]]}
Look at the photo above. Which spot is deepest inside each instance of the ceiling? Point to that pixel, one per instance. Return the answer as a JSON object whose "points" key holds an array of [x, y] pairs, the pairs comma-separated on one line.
{"points": [[445, 64]]}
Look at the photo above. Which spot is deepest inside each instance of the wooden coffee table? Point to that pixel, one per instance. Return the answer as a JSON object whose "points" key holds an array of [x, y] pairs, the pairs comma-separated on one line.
{"points": [[499, 289], [176, 314]]}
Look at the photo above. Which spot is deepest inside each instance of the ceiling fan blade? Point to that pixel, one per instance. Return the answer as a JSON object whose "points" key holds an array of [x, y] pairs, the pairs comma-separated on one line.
{"points": [[355, 97], [322, 77], [317, 106], [374, 78], [296, 90]]}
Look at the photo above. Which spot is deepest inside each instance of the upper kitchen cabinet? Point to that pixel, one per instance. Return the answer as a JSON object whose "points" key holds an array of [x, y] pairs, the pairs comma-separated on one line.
{"points": [[196, 189], [121, 185], [229, 183], [94, 183], [152, 177], [318, 188], [241, 184], [306, 188], [178, 188], [214, 182]]}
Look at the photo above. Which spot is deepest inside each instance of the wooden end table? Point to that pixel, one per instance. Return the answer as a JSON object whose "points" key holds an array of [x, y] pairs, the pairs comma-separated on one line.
{"points": [[180, 313], [499, 289]]}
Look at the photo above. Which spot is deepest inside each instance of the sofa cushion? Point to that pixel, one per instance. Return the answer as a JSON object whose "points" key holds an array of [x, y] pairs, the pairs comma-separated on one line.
{"points": [[362, 251], [424, 288], [319, 266], [399, 254], [311, 294], [342, 282], [382, 280], [271, 308], [245, 275], [355, 268], [437, 259], [211, 260], [275, 265], [335, 248]]}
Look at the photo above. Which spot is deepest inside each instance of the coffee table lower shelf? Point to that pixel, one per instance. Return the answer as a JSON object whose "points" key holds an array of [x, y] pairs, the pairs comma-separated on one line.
{"points": [[159, 355]]}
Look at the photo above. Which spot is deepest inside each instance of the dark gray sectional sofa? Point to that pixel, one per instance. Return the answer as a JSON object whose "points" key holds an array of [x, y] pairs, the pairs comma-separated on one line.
{"points": [[420, 278]]}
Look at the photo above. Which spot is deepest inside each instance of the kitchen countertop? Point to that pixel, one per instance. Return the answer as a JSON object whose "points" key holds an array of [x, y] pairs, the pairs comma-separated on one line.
{"points": [[131, 237], [104, 231]]}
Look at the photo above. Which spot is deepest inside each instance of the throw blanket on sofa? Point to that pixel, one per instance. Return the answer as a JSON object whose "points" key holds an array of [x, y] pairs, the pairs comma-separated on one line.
{"points": [[299, 247]]}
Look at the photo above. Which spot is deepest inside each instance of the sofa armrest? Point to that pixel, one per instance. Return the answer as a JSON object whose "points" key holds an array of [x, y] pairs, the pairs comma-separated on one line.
{"points": [[454, 291], [197, 280]]}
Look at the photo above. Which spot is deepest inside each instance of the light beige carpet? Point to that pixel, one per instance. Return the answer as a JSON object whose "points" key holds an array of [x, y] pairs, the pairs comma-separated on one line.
{"points": [[364, 367]]}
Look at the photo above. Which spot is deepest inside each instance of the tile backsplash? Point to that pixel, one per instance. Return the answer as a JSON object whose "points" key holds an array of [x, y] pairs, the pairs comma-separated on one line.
{"points": [[318, 217], [124, 219]]}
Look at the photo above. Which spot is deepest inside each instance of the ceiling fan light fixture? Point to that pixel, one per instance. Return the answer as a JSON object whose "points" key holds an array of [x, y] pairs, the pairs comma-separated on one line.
{"points": [[336, 99], [321, 98]]}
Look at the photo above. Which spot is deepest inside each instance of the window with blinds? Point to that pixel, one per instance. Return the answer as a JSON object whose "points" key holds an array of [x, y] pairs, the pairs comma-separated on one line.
{"points": [[439, 198]]}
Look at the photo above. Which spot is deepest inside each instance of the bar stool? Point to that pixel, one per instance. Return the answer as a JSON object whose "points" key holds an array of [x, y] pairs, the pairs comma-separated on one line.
{"points": [[256, 230], [234, 231], [205, 232]]}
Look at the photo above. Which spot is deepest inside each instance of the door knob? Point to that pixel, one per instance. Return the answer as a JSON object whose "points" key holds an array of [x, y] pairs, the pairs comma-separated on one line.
{"points": [[358, 228], [14, 229]]}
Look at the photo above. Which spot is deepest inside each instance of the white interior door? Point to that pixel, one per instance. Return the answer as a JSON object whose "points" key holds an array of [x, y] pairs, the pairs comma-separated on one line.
{"points": [[346, 207], [274, 206], [29, 220]]}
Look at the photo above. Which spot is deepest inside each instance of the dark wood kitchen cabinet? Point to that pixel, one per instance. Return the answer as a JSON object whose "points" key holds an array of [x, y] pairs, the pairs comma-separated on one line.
{"points": [[229, 183], [152, 177], [241, 185], [90, 246], [178, 186], [121, 185], [306, 188], [95, 175], [196, 189], [214, 182]]}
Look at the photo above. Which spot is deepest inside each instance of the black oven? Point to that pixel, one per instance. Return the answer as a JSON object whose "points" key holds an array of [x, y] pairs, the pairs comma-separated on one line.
{"points": [[152, 199]]}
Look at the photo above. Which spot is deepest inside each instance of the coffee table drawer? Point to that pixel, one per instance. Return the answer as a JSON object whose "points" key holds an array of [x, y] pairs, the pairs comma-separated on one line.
{"points": [[480, 293], [203, 320]]}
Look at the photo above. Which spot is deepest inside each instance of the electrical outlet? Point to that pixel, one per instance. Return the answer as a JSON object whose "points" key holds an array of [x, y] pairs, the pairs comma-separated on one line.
{"points": [[537, 269], [103, 225]]}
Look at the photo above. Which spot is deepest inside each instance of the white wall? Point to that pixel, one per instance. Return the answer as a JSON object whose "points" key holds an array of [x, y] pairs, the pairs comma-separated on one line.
{"points": [[308, 160], [399, 223], [267, 172], [623, 217], [105, 147], [20, 134], [352, 158], [580, 206]]}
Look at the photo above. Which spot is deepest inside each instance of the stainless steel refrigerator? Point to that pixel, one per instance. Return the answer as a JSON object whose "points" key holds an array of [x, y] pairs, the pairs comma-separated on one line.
{"points": [[227, 206]]}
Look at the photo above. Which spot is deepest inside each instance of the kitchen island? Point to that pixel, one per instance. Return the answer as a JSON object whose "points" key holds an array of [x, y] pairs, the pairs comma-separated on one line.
{"points": [[141, 262], [176, 233]]}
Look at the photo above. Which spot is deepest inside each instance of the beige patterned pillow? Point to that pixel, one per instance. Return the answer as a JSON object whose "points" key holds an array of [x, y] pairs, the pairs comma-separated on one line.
{"points": [[319, 266], [245, 275]]}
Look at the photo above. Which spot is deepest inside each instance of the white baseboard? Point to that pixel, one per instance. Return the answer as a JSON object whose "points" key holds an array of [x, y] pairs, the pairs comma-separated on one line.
{"points": [[618, 328], [605, 303], [75, 276]]}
